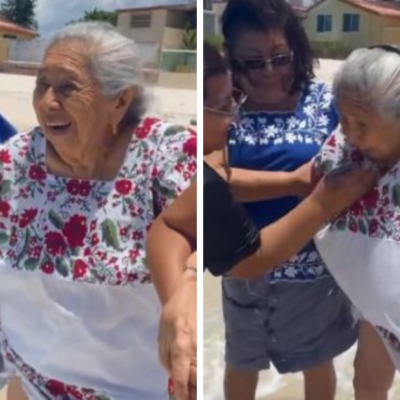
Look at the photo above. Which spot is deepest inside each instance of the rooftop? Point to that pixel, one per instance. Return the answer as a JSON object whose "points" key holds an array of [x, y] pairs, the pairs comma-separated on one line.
{"points": [[154, 4], [11, 27]]}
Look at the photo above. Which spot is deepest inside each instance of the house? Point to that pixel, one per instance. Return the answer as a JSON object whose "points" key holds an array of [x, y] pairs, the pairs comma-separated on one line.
{"points": [[157, 26], [353, 23], [9, 30]]}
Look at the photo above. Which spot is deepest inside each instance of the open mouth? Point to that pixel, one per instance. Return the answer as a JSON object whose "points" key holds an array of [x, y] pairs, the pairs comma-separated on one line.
{"points": [[59, 127]]}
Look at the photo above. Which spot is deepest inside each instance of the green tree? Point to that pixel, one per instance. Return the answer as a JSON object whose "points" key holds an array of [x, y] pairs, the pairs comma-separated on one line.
{"points": [[98, 15], [21, 12], [189, 41]]}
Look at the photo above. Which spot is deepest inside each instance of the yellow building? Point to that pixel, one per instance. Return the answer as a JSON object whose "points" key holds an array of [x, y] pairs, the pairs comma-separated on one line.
{"points": [[9, 30], [354, 23]]}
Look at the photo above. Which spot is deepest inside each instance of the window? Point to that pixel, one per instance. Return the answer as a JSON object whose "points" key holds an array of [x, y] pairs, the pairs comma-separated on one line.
{"points": [[351, 22], [207, 5], [324, 23], [141, 21], [5, 36]]}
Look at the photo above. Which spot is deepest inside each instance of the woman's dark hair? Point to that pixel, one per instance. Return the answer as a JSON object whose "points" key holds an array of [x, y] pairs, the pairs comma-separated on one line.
{"points": [[214, 64], [269, 16]]}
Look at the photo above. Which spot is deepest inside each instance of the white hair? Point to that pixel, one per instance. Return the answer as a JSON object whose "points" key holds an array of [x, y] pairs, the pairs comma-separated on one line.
{"points": [[113, 57], [373, 75]]}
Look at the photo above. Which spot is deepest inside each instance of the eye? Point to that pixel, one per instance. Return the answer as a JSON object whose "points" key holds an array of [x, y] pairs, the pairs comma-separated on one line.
{"points": [[42, 83], [66, 89]]}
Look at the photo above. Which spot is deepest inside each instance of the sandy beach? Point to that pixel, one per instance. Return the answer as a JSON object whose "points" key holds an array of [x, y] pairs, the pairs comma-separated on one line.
{"points": [[272, 386]]}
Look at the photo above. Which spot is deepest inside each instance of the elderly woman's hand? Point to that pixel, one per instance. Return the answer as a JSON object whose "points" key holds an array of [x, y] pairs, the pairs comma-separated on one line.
{"points": [[178, 335], [342, 187]]}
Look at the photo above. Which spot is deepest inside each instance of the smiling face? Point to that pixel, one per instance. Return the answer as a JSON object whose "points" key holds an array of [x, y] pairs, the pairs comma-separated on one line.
{"points": [[72, 112], [364, 127], [270, 84]]}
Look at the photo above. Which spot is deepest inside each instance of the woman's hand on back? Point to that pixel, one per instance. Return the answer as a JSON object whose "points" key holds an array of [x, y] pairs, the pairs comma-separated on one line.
{"points": [[342, 187]]}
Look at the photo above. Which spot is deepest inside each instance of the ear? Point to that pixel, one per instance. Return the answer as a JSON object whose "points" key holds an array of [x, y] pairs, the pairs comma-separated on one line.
{"points": [[121, 104]]}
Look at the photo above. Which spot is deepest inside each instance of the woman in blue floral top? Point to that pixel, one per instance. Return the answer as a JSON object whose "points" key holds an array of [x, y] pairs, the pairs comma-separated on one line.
{"points": [[295, 317]]}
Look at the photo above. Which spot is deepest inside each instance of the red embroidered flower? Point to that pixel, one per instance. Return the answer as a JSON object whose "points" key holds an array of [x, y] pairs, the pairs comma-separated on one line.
{"points": [[371, 199], [56, 388], [75, 230], [144, 130], [27, 217], [75, 393], [47, 267], [55, 244], [73, 187], [357, 209], [124, 186], [5, 157], [137, 235], [190, 147], [353, 226], [123, 231], [80, 269], [95, 240], [373, 226], [154, 172], [4, 209], [133, 254], [37, 173], [84, 189]]}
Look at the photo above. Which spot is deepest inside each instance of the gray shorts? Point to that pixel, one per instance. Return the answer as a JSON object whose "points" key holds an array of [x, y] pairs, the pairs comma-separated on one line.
{"points": [[294, 325]]}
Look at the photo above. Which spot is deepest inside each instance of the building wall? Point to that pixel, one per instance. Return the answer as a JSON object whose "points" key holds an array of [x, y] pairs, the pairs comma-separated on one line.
{"points": [[151, 35], [209, 24], [172, 38], [370, 25], [4, 49], [19, 36]]}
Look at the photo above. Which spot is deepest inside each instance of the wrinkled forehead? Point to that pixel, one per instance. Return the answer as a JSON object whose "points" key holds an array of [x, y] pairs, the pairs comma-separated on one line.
{"points": [[356, 105]]}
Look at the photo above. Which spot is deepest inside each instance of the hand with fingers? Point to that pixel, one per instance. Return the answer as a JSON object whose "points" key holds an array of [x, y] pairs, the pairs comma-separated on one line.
{"points": [[178, 337]]}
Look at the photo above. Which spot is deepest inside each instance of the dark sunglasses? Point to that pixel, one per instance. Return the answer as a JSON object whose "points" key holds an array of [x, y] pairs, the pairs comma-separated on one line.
{"points": [[259, 64]]}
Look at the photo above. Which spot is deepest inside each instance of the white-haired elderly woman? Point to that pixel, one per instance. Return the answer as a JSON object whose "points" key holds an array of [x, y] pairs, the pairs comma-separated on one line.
{"points": [[362, 247], [79, 315]]}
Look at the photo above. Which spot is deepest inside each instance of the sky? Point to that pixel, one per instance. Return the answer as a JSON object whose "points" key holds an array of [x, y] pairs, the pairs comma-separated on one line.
{"points": [[53, 14]]}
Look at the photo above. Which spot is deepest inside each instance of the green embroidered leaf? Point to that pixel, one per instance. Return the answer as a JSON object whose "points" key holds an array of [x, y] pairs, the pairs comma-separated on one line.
{"points": [[75, 251], [396, 195], [31, 264], [110, 234], [362, 226], [327, 166], [62, 267], [3, 238], [341, 224], [56, 220], [5, 187], [173, 130]]}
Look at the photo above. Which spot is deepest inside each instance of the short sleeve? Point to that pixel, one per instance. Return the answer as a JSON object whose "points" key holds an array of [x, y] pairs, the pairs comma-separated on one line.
{"points": [[175, 164], [230, 235]]}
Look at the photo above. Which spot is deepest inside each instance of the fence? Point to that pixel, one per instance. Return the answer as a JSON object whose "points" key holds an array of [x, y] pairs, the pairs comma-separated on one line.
{"points": [[179, 61]]}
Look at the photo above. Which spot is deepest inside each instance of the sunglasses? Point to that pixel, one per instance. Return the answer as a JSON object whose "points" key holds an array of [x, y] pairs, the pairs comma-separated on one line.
{"points": [[238, 99], [259, 64]]}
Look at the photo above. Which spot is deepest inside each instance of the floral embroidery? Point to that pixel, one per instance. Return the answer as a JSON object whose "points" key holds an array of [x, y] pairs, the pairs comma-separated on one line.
{"points": [[378, 213], [90, 231]]}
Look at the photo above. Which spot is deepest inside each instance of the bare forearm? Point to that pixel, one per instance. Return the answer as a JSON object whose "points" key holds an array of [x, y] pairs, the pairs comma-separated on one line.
{"points": [[249, 186], [283, 239], [167, 253]]}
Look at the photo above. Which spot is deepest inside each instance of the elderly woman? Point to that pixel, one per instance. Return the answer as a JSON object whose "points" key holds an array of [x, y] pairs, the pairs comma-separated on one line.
{"points": [[282, 125], [79, 314], [362, 247]]}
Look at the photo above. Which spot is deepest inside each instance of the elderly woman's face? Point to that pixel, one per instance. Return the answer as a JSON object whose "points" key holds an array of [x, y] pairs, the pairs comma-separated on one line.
{"points": [[69, 105], [366, 129], [271, 83]]}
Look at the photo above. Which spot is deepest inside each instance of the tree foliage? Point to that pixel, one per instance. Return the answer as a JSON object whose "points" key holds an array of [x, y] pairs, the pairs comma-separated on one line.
{"points": [[21, 12]]}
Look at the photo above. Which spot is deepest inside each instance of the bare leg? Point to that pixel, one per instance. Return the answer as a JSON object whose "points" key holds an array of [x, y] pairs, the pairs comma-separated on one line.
{"points": [[374, 370], [320, 382], [240, 385]]}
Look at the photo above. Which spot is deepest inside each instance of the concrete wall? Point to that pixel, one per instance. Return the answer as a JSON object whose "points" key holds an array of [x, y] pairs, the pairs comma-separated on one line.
{"points": [[370, 25], [172, 38], [19, 36], [4, 49], [177, 81], [27, 51], [154, 34]]}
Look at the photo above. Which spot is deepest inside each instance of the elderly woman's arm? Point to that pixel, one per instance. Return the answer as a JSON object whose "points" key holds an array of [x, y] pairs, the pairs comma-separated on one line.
{"points": [[250, 185]]}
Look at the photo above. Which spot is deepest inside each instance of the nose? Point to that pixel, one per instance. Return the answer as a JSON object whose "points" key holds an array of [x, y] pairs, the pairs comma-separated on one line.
{"points": [[50, 101]]}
